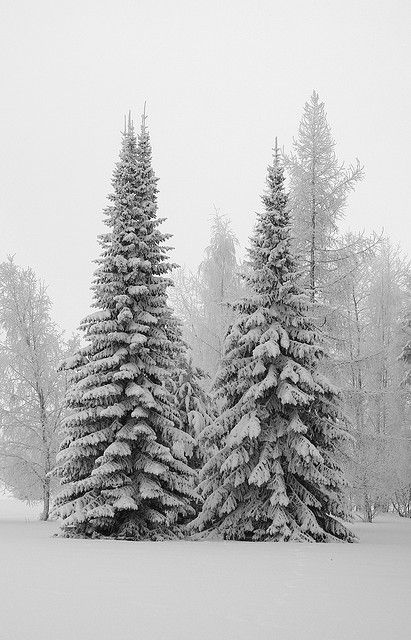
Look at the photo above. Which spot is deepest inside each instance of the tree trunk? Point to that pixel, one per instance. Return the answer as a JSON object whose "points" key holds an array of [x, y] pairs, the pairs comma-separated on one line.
{"points": [[46, 500], [312, 247], [47, 466], [312, 252], [369, 512]]}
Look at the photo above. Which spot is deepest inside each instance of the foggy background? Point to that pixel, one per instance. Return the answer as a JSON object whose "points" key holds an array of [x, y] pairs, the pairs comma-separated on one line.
{"points": [[221, 80]]}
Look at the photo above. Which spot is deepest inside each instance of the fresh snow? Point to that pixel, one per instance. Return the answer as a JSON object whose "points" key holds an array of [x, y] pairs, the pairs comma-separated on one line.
{"points": [[12, 509], [60, 589]]}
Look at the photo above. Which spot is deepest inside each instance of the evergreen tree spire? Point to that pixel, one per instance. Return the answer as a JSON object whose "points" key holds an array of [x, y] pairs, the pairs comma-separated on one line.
{"points": [[123, 463], [276, 475]]}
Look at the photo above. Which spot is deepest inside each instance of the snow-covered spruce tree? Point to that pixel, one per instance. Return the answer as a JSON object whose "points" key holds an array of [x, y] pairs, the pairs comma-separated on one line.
{"points": [[195, 407], [277, 474], [122, 464]]}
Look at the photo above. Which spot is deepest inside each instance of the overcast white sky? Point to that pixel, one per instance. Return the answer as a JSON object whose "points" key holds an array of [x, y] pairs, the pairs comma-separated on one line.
{"points": [[222, 79]]}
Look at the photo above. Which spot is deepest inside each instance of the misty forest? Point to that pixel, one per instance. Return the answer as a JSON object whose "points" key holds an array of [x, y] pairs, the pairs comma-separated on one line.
{"points": [[263, 396]]}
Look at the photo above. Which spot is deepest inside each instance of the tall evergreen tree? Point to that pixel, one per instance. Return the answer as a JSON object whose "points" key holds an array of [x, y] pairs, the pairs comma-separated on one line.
{"points": [[277, 474], [123, 462]]}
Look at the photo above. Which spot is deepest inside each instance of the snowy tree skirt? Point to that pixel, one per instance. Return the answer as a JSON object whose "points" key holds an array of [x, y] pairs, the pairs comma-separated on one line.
{"points": [[64, 589]]}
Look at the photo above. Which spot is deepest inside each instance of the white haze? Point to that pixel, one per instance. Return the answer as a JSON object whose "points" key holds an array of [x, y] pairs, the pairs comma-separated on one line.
{"points": [[221, 81]]}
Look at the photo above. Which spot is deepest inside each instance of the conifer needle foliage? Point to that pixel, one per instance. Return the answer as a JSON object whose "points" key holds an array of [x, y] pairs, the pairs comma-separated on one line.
{"points": [[277, 474], [123, 461]]}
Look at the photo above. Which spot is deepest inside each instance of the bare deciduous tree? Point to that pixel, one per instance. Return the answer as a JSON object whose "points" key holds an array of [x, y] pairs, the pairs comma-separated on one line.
{"points": [[320, 185], [32, 391]]}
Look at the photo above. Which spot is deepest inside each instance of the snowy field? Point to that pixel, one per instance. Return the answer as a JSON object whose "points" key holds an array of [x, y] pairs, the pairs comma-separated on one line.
{"points": [[55, 589]]}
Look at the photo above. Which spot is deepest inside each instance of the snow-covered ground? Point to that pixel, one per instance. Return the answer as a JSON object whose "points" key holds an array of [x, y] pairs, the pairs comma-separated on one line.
{"points": [[11, 509], [56, 589]]}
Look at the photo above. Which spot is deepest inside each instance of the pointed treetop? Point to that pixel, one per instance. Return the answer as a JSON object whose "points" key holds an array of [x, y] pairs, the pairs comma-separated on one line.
{"points": [[128, 123], [143, 119], [274, 197], [276, 154]]}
